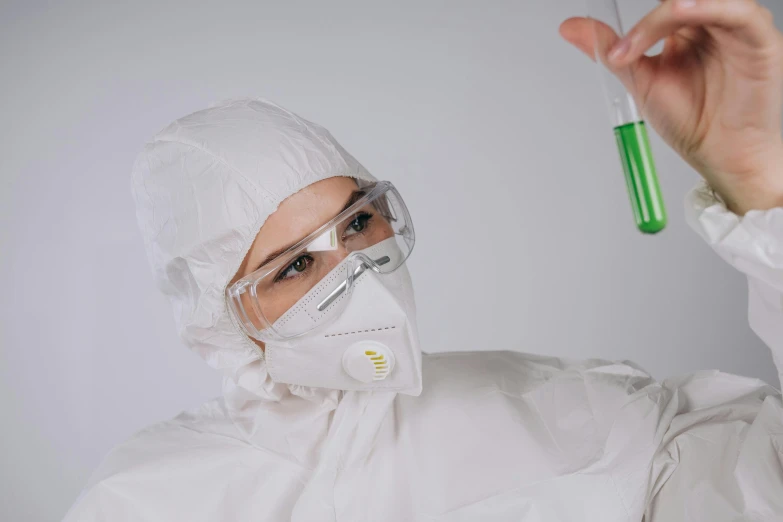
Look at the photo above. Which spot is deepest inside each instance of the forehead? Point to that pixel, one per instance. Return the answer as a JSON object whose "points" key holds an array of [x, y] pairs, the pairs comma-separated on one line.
{"points": [[301, 214]]}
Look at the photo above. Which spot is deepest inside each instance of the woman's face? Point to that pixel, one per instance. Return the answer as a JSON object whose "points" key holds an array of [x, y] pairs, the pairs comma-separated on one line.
{"points": [[297, 217]]}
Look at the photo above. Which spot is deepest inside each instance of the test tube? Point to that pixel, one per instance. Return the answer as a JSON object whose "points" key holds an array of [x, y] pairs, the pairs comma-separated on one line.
{"points": [[630, 130]]}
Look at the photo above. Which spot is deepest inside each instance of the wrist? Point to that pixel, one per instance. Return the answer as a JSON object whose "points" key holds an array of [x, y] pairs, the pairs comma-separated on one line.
{"points": [[759, 190]]}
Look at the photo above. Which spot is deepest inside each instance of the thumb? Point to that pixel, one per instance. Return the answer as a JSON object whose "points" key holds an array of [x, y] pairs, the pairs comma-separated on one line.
{"points": [[579, 32]]}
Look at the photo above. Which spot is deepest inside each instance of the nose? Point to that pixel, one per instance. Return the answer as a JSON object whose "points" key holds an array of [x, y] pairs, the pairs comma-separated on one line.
{"points": [[332, 258], [341, 251]]}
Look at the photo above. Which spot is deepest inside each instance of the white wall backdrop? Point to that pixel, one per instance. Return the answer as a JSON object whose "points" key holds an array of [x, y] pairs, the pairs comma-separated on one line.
{"points": [[493, 128]]}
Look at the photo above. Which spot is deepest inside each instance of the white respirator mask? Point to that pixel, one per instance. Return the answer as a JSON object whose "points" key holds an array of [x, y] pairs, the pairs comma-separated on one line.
{"points": [[336, 311]]}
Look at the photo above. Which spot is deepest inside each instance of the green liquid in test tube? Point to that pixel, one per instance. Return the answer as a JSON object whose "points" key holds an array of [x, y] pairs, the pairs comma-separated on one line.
{"points": [[629, 128], [640, 176]]}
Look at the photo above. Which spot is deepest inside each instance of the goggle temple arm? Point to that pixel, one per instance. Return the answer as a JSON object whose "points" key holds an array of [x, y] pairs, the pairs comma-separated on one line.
{"points": [[359, 270]]}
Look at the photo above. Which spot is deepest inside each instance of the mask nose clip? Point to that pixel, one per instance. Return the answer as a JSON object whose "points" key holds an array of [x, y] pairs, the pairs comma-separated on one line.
{"points": [[368, 361]]}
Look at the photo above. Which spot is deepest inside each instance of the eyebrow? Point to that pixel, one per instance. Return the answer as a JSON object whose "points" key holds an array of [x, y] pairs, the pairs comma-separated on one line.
{"points": [[355, 196]]}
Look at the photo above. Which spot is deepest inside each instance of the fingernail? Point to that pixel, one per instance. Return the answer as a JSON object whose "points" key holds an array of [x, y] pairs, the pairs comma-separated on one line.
{"points": [[620, 49], [686, 4]]}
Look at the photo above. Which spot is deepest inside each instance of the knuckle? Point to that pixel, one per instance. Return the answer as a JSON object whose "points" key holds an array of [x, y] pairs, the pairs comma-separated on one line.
{"points": [[746, 10]]}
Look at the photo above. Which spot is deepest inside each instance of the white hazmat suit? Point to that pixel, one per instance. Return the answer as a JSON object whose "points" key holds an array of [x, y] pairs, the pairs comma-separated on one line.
{"points": [[494, 436]]}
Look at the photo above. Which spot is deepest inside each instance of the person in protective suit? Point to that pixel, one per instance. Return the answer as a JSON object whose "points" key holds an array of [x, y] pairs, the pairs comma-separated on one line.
{"points": [[284, 260]]}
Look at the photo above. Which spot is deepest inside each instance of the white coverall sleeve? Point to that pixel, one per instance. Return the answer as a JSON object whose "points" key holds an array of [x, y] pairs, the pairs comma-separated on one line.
{"points": [[722, 457], [752, 244]]}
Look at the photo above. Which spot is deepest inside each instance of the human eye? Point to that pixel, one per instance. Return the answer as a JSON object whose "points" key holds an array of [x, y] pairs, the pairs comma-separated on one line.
{"points": [[296, 268], [358, 224]]}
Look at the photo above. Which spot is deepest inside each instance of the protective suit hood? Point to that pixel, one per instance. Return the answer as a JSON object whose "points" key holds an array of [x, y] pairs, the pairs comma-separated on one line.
{"points": [[203, 187]]}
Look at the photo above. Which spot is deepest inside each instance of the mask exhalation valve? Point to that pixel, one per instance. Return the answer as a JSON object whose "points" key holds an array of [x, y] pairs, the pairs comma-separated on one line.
{"points": [[368, 361]]}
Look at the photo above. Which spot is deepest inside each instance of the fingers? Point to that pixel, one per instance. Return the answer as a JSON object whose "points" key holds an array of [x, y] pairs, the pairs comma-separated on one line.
{"points": [[578, 32], [595, 39], [744, 18], [592, 37]]}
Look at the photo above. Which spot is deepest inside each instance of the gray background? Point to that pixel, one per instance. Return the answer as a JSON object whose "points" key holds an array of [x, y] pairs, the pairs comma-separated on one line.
{"points": [[493, 128]]}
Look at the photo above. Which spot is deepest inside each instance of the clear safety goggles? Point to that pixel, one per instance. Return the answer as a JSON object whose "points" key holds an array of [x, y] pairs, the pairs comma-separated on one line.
{"points": [[311, 282]]}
